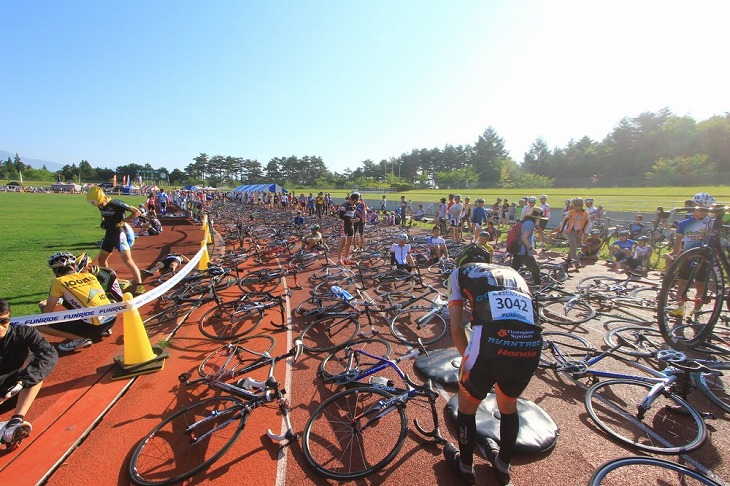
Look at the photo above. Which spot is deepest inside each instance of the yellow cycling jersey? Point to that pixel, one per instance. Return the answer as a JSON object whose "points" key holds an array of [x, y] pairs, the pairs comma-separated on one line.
{"points": [[80, 290]]}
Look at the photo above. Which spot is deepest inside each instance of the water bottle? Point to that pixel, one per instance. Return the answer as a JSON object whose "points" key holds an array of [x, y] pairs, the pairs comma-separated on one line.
{"points": [[341, 293], [380, 380]]}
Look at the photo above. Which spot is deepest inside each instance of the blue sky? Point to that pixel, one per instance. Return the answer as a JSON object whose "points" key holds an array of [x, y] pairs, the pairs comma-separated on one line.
{"points": [[159, 82]]}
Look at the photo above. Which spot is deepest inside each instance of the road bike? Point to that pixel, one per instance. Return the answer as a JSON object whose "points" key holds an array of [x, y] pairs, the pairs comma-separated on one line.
{"points": [[195, 436]]}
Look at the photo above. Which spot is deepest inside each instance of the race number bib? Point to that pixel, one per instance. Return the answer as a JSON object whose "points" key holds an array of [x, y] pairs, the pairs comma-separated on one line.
{"points": [[350, 214], [508, 304]]}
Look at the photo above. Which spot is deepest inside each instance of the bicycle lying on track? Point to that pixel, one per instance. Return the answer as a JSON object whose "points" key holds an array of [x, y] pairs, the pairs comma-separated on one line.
{"points": [[194, 437]]}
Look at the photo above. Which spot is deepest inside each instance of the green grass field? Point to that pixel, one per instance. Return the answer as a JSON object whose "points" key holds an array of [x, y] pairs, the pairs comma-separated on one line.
{"points": [[34, 227], [37, 225]]}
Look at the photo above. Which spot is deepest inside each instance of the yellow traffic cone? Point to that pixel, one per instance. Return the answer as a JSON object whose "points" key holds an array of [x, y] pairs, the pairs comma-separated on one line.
{"points": [[139, 356], [209, 238], [204, 259]]}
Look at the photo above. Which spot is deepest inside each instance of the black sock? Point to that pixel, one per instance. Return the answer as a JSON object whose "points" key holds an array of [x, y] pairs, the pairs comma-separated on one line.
{"points": [[509, 427], [466, 426], [16, 419]]}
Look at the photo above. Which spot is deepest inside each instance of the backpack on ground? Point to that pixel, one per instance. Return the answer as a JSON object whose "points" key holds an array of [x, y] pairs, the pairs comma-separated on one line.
{"points": [[514, 239]]}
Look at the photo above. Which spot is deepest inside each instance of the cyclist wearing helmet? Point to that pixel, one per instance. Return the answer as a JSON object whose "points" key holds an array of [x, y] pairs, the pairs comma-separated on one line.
{"points": [[78, 291], [313, 239], [504, 351], [622, 248], [118, 234], [691, 233], [574, 225], [400, 253], [106, 277], [26, 359]]}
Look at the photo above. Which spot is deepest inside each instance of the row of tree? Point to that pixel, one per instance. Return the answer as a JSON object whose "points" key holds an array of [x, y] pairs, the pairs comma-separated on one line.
{"points": [[651, 149]]}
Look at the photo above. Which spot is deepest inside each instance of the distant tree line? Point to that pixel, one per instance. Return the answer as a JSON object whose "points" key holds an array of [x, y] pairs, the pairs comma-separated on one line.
{"points": [[651, 149]]}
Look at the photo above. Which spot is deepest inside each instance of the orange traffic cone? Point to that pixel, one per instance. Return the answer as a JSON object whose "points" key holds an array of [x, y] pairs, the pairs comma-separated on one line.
{"points": [[139, 355], [204, 259]]}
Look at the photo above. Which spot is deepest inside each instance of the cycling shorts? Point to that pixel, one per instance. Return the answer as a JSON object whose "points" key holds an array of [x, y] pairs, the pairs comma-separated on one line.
{"points": [[454, 223], [359, 227], [121, 238], [83, 329], [347, 230], [700, 273], [543, 223], [479, 371]]}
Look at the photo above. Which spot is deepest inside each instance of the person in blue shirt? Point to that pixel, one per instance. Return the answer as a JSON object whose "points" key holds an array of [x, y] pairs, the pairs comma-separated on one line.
{"points": [[526, 255], [637, 227], [478, 218], [622, 248], [298, 219]]}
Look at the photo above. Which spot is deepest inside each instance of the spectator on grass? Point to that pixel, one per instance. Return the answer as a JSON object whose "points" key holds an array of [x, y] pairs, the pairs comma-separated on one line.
{"points": [[169, 264], [26, 359], [118, 234], [78, 291]]}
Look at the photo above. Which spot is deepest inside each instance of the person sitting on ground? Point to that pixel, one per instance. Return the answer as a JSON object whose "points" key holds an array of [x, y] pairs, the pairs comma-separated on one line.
{"points": [[26, 359], [591, 245], [106, 277], [639, 261], [298, 219], [622, 248], [636, 228], [169, 264], [662, 219], [313, 240], [436, 245], [484, 238], [78, 291], [149, 225], [420, 213], [400, 253]]}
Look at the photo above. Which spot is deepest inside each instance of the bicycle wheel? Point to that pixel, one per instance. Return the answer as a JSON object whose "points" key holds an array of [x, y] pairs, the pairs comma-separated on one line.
{"points": [[328, 272], [230, 320], [338, 368], [424, 323], [347, 437], [599, 283], [649, 293], [260, 281], [691, 299], [395, 285], [187, 442], [318, 305], [172, 313], [564, 348], [715, 386], [324, 288], [565, 311], [646, 470], [669, 426], [329, 333], [637, 341], [234, 356]]}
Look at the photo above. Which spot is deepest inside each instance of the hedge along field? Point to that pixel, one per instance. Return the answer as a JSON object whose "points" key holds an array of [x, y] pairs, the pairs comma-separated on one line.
{"points": [[643, 199], [35, 226]]}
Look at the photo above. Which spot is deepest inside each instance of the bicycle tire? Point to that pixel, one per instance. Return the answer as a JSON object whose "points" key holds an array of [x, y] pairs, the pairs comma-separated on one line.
{"points": [[234, 355], [639, 341], [167, 454], [328, 272], [682, 332], [171, 313], [442, 268], [337, 437], [329, 333], [263, 280], [714, 387], [663, 429], [553, 311], [566, 348], [645, 472], [648, 293], [318, 305], [230, 320], [335, 367], [324, 288], [416, 323], [599, 283]]}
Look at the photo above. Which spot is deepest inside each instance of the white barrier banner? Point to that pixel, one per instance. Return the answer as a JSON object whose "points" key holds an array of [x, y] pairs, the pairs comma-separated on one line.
{"points": [[109, 309]]}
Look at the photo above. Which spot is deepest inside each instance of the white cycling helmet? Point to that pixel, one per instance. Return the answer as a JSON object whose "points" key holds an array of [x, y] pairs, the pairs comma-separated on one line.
{"points": [[403, 236], [703, 199], [61, 259]]}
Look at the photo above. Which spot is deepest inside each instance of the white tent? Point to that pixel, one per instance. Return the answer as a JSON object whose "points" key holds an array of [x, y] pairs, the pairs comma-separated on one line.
{"points": [[268, 187]]}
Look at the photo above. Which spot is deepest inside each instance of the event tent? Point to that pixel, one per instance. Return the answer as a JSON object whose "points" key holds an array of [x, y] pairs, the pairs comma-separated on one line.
{"points": [[268, 187]]}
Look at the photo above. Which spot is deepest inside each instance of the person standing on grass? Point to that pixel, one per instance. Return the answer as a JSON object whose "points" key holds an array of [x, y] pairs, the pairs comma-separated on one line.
{"points": [[347, 231], [118, 234], [574, 226], [478, 218], [26, 359], [526, 255], [504, 351]]}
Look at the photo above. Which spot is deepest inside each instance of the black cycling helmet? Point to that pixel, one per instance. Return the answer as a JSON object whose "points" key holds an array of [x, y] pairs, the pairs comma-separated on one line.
{"points": [[624, 232], [594, 232], [314, 227], [485, 234], [62, 259], [473, 253]]}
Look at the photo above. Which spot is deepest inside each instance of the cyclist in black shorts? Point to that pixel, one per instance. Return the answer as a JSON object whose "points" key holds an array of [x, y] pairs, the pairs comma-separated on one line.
{"points": [[504, 351], [168, 264]]}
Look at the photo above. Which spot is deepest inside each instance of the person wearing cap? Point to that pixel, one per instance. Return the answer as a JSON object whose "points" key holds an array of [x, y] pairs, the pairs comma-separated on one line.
{"points": [[478, 218], [542, 224], [400, 253], [526, 255], [622, 248], [118, 233], [455, 214], [574, 225]]}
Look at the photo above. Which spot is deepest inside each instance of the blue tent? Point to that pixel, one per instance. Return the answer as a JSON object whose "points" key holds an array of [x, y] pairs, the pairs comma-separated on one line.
{"points": [[268, 187], [190, 188]]}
